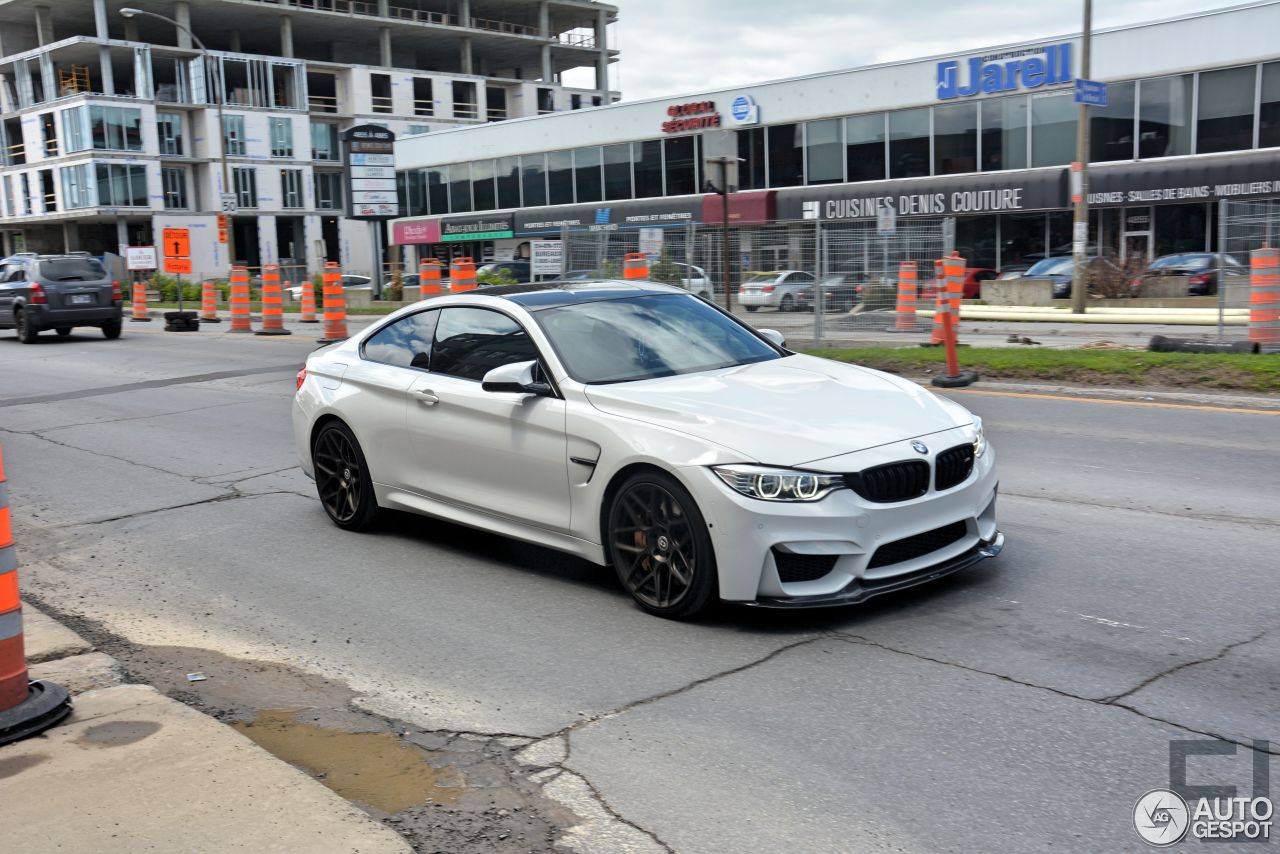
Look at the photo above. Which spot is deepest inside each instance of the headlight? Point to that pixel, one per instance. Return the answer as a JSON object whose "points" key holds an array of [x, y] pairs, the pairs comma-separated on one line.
{"points": [[979, 438], [769, 484]]}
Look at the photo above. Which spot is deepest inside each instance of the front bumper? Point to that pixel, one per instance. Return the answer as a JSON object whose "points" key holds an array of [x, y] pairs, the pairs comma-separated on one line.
{"points": [[860, 590], [844, 548]]}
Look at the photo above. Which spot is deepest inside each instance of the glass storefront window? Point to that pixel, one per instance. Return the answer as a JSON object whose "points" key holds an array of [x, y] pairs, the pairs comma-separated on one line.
{"points": [[508, 169], [824, 146], [680, 155], [1053, 130], [617, 172], [587, 174], [438, 190], [1226, 110], [1021, 239], [1111, 127], [1269, 117], [786, 157], [533, 179], [909, 143], [864, 143], [976, 240], [648, 160], [1004, 133], [560, 178], [1164, 116], [484, 193], [460, 187], [751, 171], [1181, 228], [1060, 224], [955, 140]]}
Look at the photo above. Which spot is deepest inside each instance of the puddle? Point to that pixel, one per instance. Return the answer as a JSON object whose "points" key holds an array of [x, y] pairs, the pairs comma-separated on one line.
{"points": [[118, 733], [376, 769]]}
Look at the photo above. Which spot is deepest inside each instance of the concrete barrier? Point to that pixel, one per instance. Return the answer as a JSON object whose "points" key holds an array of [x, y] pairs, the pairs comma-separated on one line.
{"points": [[1164, 287], [1022, 292]]}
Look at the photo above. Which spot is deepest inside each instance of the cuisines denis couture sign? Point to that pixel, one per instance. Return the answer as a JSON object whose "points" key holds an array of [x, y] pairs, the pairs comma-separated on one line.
{"points": [[1029, 68]]}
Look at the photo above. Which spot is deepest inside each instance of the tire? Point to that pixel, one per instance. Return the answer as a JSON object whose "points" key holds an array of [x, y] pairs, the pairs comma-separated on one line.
{"points": [[342, 478], [111, 330], [63, 331], [788, 303], [26, 333], [654, 529], [751, 307]]}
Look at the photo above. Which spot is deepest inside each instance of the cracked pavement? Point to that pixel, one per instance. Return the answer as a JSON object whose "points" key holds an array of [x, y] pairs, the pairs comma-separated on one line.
{"points": [[1023, 705]]}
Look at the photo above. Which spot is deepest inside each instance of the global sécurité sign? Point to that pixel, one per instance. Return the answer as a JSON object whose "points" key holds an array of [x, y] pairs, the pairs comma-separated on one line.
{"points": [[1008, 71]]}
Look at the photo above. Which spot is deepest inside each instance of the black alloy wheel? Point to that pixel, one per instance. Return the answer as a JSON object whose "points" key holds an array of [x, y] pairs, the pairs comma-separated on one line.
{"points": [[342, 478], [659, 546]]}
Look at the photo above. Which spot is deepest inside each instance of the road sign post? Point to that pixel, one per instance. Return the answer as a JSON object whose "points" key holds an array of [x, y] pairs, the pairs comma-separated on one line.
{"points": [[369, 158], [176, 245]]}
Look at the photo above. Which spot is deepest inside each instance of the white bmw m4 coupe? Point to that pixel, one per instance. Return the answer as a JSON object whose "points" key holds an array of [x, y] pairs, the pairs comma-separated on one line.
{"points": [[637, 426]]}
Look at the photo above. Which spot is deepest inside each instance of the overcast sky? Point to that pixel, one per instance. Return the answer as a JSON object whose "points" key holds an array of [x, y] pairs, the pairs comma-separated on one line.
{"points": [[676, 47]]}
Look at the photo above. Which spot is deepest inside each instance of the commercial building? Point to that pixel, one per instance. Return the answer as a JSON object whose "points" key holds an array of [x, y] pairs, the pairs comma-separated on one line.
{"points": [[984, 137], [110, 129]]}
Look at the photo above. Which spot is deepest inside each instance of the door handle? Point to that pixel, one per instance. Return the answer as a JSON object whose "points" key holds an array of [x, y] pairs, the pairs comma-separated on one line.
{"points": [[426, 397]]}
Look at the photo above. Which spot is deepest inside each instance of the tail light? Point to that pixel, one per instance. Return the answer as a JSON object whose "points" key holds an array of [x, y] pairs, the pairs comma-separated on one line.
{"points": [[768, 289], [858, 289], [302, 376], [37, 295], [742, 290], [1199, 279], [117, 295]]}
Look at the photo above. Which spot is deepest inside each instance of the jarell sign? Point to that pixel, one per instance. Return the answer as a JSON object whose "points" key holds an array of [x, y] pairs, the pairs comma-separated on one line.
{"points": [[1009, 71]]}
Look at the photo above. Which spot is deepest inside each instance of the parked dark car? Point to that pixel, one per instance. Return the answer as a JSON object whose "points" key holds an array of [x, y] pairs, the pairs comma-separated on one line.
{"points": [[60, 292], [839, 292], [521, 271], [1200, 268], [1061, 270], [972, 284]]}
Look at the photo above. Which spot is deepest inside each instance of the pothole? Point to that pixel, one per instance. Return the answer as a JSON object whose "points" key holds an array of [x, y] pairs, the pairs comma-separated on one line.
{"points": [[379, 770]]}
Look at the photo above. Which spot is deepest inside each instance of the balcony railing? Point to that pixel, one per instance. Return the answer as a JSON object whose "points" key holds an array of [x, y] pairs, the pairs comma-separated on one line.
{"points": [[381, 103], [465, 111], [402, 13], [323, 103], [422, 107], [571, 39]]}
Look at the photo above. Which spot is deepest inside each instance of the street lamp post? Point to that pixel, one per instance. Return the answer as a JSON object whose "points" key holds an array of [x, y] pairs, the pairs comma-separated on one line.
{"points": [[219, 97], [1080, 183]]}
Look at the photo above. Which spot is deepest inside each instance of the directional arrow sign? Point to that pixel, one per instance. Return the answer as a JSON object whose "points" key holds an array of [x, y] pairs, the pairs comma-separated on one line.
{"points": [[177, 243]]}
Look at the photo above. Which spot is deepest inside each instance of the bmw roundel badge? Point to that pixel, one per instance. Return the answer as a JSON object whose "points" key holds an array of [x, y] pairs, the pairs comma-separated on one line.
{"points": [[920, 447]]}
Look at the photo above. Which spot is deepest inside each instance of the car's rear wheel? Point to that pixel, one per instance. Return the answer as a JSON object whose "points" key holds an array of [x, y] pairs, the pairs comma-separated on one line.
{"points": [[27, 333], [751, 307], [63, 331], [342, 478], [788, 303], [111, 329], [660, 547]]}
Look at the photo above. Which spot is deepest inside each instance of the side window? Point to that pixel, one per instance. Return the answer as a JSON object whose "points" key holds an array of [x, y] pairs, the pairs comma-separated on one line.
{"points": [[405, 343], [470, 342]]}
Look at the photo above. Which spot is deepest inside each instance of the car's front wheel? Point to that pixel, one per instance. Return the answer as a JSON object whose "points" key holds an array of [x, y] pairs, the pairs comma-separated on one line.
{"points": [[659, 546], [342, 478]]}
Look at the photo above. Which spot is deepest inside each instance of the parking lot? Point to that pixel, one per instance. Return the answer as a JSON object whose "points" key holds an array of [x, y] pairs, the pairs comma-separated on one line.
{"points": [[1023, 705]]}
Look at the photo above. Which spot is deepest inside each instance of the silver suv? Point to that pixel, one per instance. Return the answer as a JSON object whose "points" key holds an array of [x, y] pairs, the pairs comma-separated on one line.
{"points": [[60, 292]]}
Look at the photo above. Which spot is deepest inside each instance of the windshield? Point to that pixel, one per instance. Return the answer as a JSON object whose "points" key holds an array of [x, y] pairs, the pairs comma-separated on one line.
{"points": [[72, 270], [1190, 262], [656, 335], [1049, 267]]}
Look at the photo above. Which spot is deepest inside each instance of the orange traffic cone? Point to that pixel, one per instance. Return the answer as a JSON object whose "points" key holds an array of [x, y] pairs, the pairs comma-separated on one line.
{"points": [[272, 303], [139, 314], [209, 303], [335, 305], [240, 315]]}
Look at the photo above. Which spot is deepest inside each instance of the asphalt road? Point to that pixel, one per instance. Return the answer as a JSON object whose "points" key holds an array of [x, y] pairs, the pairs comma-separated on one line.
{"points": [[1021, 706]]}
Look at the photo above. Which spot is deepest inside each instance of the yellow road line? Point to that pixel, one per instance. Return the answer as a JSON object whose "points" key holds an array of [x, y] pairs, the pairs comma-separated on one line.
{"points": [[1158, 405]]}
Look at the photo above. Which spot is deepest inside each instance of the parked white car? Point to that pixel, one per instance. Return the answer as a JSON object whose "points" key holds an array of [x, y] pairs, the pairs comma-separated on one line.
{"points": [[780, 290], [349, 282], [694, 280], [633, 424]]}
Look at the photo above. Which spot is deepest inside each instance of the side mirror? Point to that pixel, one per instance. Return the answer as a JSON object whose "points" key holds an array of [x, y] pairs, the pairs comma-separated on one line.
{"points": [[515, 378], [773, 336]]}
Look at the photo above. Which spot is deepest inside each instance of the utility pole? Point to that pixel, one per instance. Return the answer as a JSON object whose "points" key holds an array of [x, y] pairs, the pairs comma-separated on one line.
{"points": [[1080, 180]]}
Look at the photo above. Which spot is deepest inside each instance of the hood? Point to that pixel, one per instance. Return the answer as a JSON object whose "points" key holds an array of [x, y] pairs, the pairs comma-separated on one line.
{"points": [[788, 411]]}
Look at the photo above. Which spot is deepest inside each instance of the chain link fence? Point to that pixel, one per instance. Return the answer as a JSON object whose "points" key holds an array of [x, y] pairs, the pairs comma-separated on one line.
{"points": [[1242, 228], [780, 273]]}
